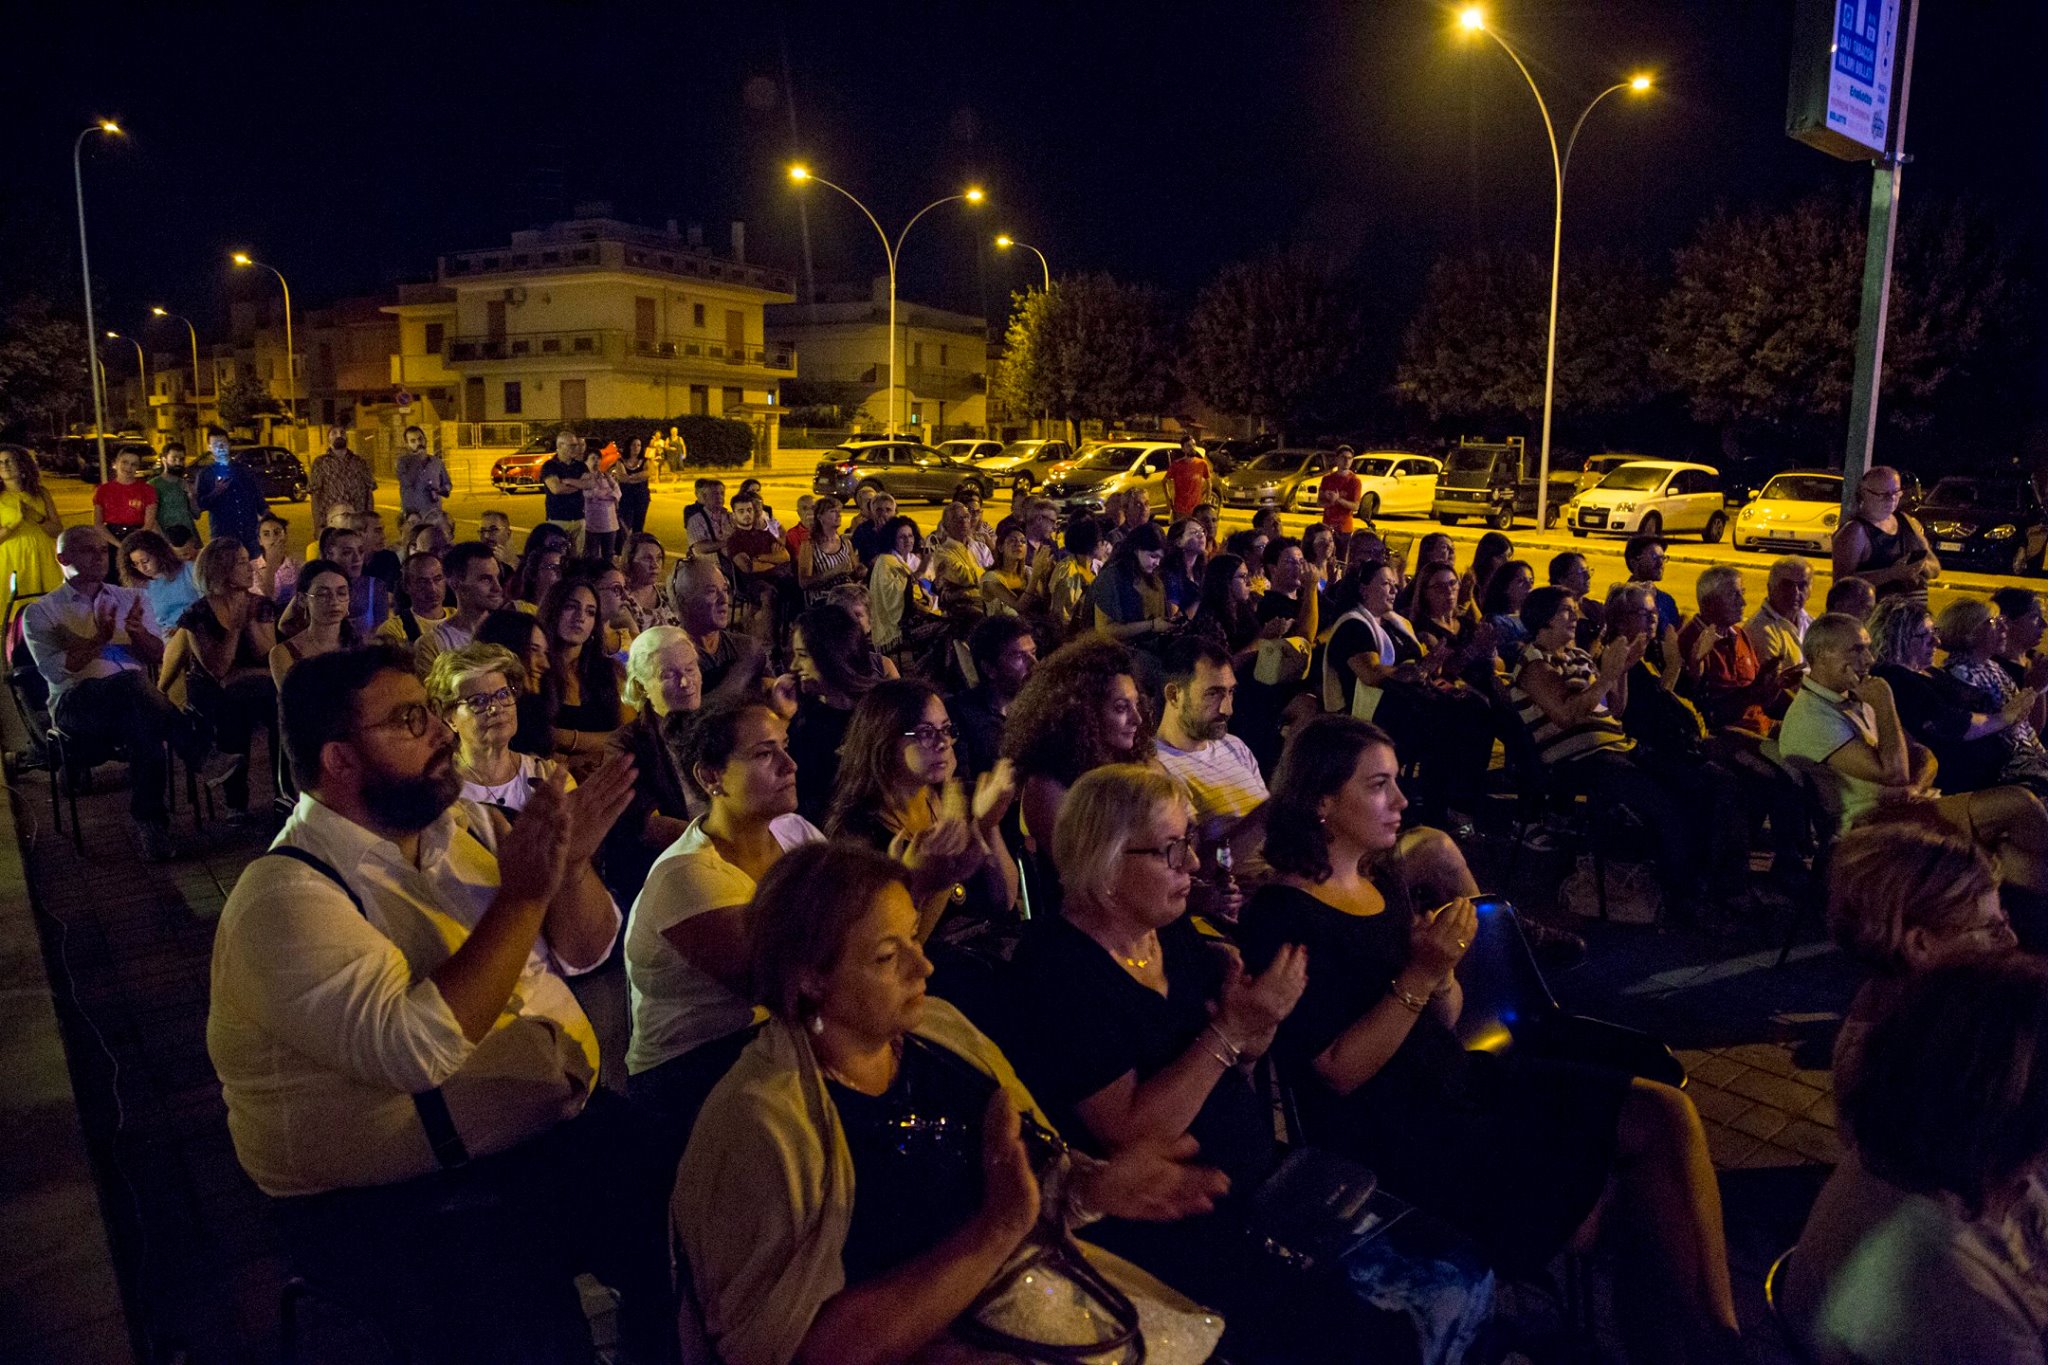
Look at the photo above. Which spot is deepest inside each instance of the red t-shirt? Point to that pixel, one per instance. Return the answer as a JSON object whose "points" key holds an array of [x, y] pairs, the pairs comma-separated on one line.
{"points": [[1344, 484], [124, 505], [1187, 477]]}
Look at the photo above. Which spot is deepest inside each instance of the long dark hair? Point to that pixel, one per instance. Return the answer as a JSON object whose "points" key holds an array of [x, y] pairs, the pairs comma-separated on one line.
{"points": [[1493, 550], [1144, 538], [1321, 755], [1236, 621], [1494, 601], [596, 672], [312, 570], [31, 474], [845, 657], [870, 759]]}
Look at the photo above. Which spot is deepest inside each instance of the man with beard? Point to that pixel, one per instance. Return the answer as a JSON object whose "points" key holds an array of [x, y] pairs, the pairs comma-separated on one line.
{"points": [[406, 1075], [1214, 767], [1004, 653]]}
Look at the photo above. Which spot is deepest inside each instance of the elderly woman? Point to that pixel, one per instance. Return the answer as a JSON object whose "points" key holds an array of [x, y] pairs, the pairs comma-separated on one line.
{"points": [[1131, 1026], [220, 654], [686, 941], [1078, 710], [1926, 1243], [581, 686], [815, 1223], [665, 683], [1975, 739], [1515, 1153], [1975, 640], [476, 689]]}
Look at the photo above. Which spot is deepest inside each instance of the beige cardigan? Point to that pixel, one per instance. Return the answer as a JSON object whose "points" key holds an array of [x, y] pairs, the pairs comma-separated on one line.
{"points": [[760, 1267]]}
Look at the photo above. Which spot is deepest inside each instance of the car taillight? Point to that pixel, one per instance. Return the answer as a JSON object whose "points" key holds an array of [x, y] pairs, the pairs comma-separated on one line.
{"points": [[846, 468]]}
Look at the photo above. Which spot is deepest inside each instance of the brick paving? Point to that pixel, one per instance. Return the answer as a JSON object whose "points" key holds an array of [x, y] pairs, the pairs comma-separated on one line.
{"points": [[200, 1274]]}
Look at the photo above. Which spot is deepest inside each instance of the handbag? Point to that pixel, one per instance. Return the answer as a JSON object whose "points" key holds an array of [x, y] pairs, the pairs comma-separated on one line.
{"points": [[1316, 1208]]}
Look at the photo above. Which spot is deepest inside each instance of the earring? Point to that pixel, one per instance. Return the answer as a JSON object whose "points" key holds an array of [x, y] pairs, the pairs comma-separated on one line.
{"points": [[817, 1025]]}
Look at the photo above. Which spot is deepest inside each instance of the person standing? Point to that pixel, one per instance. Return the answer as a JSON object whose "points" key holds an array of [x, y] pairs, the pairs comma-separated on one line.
{"points": [[228, 494], [174, 492], [340, 478], [124, 503], [422, 482], [1340, 492], [602, 494], [1882, 545], [635, 473], [565, 479], [1188, 476], [28, 529]]}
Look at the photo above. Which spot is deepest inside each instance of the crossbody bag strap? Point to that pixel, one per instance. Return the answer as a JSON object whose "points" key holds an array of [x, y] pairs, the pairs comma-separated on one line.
{"points": [[431, 1105]]}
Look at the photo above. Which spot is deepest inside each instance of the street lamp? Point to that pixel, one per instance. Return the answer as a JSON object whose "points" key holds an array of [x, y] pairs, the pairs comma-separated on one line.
{"points": [[141, 372], [291, 366], [194, 331], [1473, 19], [92, 347], [1006, 241], [973, 195]]}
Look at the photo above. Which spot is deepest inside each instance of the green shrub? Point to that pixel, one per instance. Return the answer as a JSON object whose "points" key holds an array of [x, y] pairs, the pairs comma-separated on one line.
{"points": [[716, 442]]}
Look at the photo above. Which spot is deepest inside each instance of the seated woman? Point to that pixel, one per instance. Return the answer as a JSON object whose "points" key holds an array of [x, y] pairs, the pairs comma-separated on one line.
{"points": [[902, 604], [1974, 639], [1129, 595], [1004, 586], [1078, 710], [1517, 1154], [665, 683], [220, 652], [1927, 1243], [164, 580], [1492, 551], [1187, 551], [1971, 735], [1129, 1025], [1907, 894], [581, 687], [476, 691], [540, 568], [897, 792], [1500, 607], [645, 604], [1468, 647], [686, 940], [323, 587], [814, 1223], [835, 667], [515, 630], [824, 558]]}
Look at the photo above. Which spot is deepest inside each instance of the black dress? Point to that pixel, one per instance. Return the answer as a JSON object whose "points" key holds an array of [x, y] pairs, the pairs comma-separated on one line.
{"points": [[814, 739], [1513, 1152]]}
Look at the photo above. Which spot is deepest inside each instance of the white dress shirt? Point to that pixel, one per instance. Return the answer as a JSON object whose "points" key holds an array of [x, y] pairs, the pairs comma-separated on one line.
{"points": [[55, 618], [324, 1022]]}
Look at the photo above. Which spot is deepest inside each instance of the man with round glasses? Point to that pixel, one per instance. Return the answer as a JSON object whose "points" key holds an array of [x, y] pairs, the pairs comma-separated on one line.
{"points": [[406, 1074]]}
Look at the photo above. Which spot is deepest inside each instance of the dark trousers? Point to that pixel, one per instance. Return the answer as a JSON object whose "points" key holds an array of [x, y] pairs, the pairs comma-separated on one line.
{"points": [[127, 710], [478, 1264], [633, 507], [601, 544], [235, 712], [669, 1096]]}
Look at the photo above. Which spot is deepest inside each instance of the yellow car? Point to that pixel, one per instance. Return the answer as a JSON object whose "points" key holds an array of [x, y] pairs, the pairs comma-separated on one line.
{"points": [[1796, 512]]}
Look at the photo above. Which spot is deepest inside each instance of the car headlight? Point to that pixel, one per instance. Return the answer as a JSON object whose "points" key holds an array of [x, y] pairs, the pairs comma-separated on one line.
{"points": [[1624, 507], [2005, 530], [1831, 521]]}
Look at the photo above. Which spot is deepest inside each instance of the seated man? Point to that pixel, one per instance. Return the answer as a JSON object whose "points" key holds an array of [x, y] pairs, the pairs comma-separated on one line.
{"points": [[953, 566], [1778, 630], [730, 661], [1852, 597], [405, 1073], [1722, 674], [1004, 653], [471, 570], [96, 649], [1195, 746], [418, 609], [1846, 718]]}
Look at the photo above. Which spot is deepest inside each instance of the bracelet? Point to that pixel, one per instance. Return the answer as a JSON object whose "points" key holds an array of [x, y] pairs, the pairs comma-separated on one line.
{"points": [[1230, 1054], [1412, 1003]]}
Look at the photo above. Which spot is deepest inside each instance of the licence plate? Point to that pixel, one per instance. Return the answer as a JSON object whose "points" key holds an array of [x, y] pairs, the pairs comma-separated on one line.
{"points": [[1949, 547], [1593, 517]]}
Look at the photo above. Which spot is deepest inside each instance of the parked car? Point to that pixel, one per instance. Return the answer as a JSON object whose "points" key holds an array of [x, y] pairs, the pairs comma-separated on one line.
{"points": [[519, 472], [969, 450], [1497, 480], [81, 455], [1598, 467], [1391, 482], [1992, 522], [905, 469], [1275, 479], [1796, 512], [1026, 464], [1652, 497], [1114, 467], [277, 471]]}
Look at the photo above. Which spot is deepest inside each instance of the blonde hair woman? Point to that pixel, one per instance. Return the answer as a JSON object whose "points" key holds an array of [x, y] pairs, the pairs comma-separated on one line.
{"points": [[476, 689]]}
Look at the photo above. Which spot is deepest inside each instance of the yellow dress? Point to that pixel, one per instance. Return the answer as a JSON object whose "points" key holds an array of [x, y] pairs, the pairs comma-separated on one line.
{"points": [[28, 554]]}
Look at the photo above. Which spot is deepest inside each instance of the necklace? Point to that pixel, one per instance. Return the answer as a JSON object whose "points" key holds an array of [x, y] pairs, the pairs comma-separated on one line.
{"points": [[1139, 964]]}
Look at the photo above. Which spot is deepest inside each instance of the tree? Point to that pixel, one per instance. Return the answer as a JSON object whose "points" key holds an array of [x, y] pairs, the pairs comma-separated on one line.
{"points": [[1475, 347], [244, 398], [42, 367], [1090, 349], [1271, 338], [1759, 328]]}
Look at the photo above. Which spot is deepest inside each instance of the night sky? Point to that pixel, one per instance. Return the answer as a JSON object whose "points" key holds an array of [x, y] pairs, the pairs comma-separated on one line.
{"points": [[349, 145]]}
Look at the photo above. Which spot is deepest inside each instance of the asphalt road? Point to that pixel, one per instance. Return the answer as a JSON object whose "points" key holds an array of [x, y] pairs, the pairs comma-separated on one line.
{"points": [[792, 477]]}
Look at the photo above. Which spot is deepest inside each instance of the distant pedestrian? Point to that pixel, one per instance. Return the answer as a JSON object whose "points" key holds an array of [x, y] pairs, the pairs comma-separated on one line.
{"points": [[228, 494], [1341, 491], [635, 473], [174, 492], [602, 494], [565, 478], [340, 478], [422, 481], [1188, 476]]}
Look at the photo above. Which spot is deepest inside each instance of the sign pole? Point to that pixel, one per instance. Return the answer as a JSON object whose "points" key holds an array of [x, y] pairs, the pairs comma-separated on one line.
{"points": [[1877, 281]]}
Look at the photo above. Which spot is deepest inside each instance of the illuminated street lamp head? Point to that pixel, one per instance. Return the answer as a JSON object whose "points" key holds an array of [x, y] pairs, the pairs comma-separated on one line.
{"points": [[975, 196], [107, 125], [1005, 241], [158, 312], [799, 174], [241, 258], [1639, 83], [113, 336], [1472, 17]]}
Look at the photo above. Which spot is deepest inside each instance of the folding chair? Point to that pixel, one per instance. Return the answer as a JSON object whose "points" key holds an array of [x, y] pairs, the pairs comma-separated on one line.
{"points": [[1822, 788]]}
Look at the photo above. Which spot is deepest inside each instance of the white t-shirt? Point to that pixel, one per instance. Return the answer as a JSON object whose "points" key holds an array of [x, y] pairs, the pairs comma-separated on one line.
{"points": [[1221, 777], [676, 1005], [512, 795]]}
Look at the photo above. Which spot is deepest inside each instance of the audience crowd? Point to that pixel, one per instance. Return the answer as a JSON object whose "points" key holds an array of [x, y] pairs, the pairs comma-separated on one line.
{"points": [[977, 890]]}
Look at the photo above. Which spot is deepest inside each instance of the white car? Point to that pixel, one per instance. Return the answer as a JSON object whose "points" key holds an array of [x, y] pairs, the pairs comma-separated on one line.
{"points": [[1390, 482], [1652, 497], [1797, 511], [969, 450]]}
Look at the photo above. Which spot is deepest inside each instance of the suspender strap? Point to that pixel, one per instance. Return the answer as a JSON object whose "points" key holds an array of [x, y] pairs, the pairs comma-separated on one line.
{"points": [[431, 1105]]}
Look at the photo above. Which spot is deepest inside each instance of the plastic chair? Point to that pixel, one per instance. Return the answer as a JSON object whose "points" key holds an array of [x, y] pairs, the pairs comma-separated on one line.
{"points": [[1822, 788]]}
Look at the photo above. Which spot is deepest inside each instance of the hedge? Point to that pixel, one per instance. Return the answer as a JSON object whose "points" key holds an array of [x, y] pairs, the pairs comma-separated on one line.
{"points": [[719, 442]]}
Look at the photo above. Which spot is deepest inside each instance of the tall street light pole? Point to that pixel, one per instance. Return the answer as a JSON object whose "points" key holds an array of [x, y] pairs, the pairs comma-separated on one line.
{"points": [[291, 366], [194, 332], [1473, 19], [801, 175], [1006, 241], [141, 373], [92, 347]]}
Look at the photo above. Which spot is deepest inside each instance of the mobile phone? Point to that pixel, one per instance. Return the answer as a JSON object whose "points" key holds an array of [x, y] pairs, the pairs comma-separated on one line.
{"points": [[1485, 906]]}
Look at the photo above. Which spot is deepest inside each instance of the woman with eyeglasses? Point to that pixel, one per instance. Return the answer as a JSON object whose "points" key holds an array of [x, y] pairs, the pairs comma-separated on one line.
{"points": [[1519, 1155], [1130, 1025], [475, 689], [860, 1179], [581, 688], [323, 586], [520, 635], [1975, 735], [1882, 545], [898, 792]]}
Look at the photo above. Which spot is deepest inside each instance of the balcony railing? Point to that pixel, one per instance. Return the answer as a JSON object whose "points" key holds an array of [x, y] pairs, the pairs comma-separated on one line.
{"points": [[774, 356], [610, 345], [528, 345]]}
